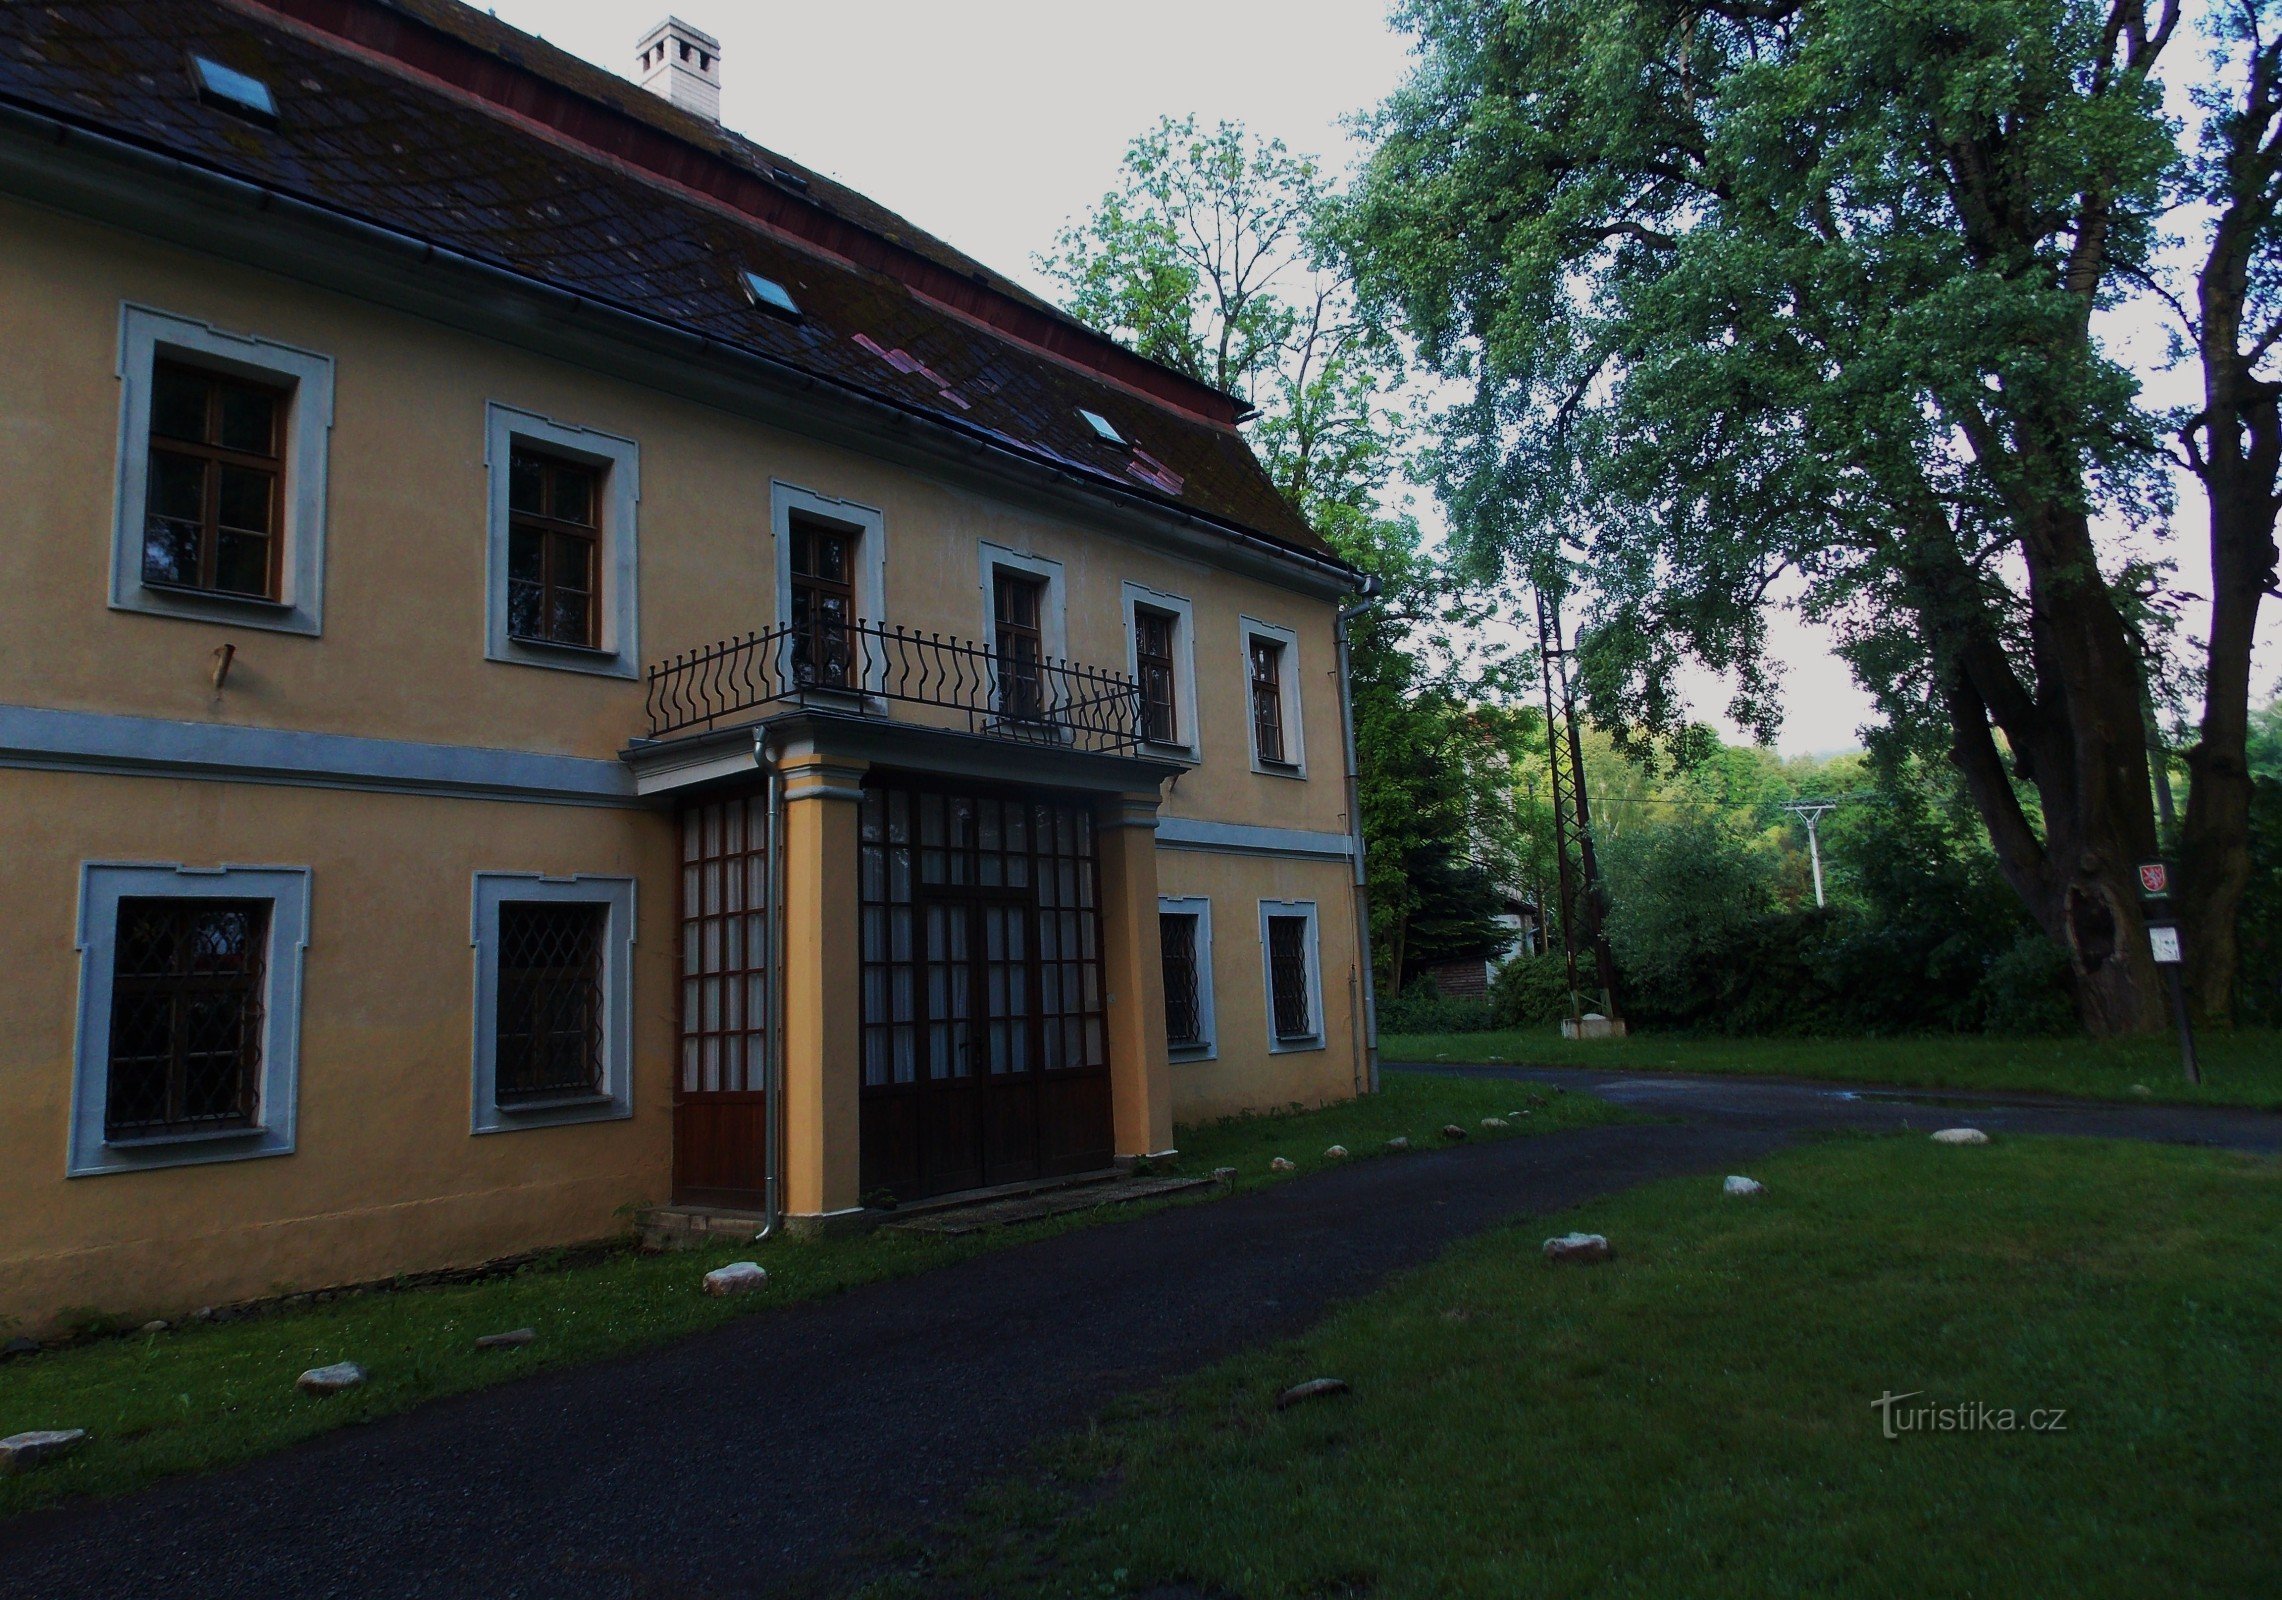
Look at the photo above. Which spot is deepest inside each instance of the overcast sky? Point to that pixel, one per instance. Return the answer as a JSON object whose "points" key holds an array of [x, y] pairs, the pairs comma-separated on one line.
{"points": [[991, 122]]}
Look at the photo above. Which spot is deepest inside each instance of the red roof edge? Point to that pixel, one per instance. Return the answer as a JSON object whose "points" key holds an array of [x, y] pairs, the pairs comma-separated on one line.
{"points": [[528, 93]]}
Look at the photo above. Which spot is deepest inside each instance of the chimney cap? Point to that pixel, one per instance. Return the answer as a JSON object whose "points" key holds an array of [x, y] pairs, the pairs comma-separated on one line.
{"points": [[682, 66], [681, 29]]}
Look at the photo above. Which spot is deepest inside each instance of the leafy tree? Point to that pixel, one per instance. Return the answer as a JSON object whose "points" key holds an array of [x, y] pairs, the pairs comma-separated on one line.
{"points": [[1210, 255], [1756, 292]]}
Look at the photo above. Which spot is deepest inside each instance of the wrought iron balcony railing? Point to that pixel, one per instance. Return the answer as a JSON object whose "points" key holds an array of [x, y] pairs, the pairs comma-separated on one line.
{"points": [[858, 666]]}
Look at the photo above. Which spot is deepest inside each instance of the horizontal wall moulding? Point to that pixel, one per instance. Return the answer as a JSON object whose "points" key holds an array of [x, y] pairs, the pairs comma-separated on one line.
{"points": [[88, 741]]}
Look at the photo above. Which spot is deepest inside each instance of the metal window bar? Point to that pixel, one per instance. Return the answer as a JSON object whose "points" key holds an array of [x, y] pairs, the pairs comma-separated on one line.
{"points": [[186, 1016], [549, 1038], [1184, 996], [1287, 976], [1078, 707]]}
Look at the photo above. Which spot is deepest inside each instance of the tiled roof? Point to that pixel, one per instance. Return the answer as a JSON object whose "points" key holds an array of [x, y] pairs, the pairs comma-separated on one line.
{"points": [[504, 149]]}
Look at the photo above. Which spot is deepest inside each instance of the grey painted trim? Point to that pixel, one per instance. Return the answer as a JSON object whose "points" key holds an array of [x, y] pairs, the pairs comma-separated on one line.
{"points": [[1199, 907], [1187, 712], [143, 334], [102, 884], [91, 174], [1320, 1038], [1245, 838], [1053, 616], [621, 462], [102, 742], [492, 889], [1295, 719]]}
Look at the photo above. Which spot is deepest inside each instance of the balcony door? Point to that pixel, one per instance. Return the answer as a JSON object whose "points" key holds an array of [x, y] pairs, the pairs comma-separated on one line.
{"points": [[985, 1048]]}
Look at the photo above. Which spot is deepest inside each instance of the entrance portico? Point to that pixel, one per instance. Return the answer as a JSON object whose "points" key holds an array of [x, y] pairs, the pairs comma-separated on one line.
{"points": [[970, 987]]}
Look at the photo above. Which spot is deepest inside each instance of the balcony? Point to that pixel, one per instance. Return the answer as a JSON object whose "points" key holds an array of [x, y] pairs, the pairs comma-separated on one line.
{"points": [[863, 668]]}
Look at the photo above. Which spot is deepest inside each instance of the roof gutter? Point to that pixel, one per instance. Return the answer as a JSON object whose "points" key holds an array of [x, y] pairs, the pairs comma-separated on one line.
{"points": [[570, 303]]}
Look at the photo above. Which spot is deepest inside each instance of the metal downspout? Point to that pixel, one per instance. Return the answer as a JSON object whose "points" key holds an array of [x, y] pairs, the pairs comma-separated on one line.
{"points": [[1367, 1043], [772, 1071]]}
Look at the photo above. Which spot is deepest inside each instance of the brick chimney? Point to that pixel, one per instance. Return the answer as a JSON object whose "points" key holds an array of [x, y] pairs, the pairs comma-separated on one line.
{"points": [[683, 66]]}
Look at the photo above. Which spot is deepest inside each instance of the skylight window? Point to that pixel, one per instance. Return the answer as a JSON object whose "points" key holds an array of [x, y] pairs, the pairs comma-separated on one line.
{"points": [[1104, 429], [771, 295], [233, 90]]}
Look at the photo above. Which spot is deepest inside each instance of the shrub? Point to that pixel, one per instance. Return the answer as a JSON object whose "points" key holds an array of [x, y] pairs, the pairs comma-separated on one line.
{"points": [[1530, 991], [1421, 1009], [2026, 989]]}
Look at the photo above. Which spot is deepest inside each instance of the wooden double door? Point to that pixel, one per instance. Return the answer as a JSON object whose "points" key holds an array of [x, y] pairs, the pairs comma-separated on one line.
{"points": [[984, 1037]]}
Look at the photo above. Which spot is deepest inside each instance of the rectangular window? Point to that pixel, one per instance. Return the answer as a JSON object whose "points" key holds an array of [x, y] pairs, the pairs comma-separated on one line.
{"points": [[1288, 985], [1018, 606], [554, 544], [187, 1002], [823, 605], [213, 502], [1184, 990], [1153, 656], [550, 1015], [1268, 699]]}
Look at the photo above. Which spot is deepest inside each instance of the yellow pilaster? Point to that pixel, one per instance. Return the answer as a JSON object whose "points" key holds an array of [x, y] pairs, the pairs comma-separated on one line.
{"points": [[1140, 1088], [822, 1032]]}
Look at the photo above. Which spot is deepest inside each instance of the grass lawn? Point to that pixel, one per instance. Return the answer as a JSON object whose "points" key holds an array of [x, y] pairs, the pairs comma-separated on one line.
{"points": [[1696, 1418], [2243, 1068], [203, 1395]]}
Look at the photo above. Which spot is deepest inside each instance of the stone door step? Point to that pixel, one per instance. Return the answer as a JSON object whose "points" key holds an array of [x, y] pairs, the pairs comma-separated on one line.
{"points": [[956, 1215]]}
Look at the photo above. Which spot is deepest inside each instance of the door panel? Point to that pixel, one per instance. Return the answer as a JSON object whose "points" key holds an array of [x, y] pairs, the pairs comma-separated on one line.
{"points": [[720, 1122], [994, 998]]}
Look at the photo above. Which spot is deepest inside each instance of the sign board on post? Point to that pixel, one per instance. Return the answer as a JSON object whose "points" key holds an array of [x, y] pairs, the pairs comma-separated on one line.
{"points": [[2163, 942]]}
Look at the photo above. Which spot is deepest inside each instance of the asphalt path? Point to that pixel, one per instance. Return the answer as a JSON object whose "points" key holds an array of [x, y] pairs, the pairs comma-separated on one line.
{"points": [[759, 1456]]}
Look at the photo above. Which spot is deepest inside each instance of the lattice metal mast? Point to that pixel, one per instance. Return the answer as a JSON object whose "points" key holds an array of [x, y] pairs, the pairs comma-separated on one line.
{"points": [[1584, 902]]}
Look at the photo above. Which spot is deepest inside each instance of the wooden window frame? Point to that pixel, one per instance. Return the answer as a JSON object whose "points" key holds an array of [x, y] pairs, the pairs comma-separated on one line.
{"points": [[552, 530], [212, 456], [1158, 674], [1021, 680], [814, 638], [182, 986], [1268, 732]]}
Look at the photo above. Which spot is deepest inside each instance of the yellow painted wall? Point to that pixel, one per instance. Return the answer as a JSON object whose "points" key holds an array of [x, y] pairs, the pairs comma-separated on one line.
{"points": [[1244, 1074], [386, 1176], [402, 651]]}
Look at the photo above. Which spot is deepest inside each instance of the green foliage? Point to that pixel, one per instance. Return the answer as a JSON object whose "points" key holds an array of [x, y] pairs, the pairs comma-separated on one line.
{"points": [[2259, 979], [1209, 254], [1650, 1428], [418, 1343], [1422, 1009], [1679, 891], [2240, 1068], [1527, 991]]}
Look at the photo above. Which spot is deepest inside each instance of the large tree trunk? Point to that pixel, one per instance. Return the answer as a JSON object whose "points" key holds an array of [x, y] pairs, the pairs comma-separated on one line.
{"points": [[2238, 457], [2214, 846], [2077, 739]]}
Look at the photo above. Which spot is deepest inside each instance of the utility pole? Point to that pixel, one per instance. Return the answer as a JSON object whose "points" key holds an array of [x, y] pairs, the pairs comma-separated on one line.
{"points": [[1584, 903], [1811, 812]]}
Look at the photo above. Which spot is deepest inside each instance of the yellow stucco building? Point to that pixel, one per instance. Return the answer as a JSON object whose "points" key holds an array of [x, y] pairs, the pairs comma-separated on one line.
{"points": [[565, 663]]}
